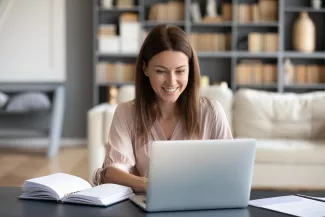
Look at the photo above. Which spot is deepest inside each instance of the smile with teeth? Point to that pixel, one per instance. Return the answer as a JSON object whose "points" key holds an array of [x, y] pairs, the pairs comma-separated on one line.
{"points": [[170, 90]]}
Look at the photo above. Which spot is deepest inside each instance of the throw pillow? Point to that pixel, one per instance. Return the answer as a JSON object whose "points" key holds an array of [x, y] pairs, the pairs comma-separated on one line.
{"points": [[28, 101], [3, 99]]}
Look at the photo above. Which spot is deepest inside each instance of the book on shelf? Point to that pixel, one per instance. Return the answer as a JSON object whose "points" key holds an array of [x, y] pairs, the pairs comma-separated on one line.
{"points": [[300, 71], [124, 3], [66, 188], [268, 10], [170, 11], [256, 72], [226, 11]]}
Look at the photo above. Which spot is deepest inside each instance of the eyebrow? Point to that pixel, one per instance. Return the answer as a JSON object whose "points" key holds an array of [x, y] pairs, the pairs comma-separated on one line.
{"points": [[167, 68]]}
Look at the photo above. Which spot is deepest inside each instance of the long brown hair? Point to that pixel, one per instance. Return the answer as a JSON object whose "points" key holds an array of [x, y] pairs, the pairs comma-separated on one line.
{"points": [[163, 38]]}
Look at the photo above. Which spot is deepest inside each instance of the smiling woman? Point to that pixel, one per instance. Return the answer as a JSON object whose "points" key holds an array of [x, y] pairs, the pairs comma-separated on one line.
{"points": [[167, 106]]}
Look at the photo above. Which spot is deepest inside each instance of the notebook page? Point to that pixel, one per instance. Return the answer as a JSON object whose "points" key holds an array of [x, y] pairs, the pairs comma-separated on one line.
{"points": [[103, 191], [104, 194], [61, 183], [293, 205]]}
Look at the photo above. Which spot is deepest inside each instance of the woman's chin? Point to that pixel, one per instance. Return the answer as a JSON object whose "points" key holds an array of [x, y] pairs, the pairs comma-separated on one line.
{"points": [[169, 99]]}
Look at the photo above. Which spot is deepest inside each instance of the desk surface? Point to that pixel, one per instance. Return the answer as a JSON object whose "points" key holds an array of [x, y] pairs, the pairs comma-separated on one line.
{"points": [[10, 205]]}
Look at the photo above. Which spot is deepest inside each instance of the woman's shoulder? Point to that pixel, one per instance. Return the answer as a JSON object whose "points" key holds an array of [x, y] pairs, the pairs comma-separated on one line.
{"points": [[125, 109]]}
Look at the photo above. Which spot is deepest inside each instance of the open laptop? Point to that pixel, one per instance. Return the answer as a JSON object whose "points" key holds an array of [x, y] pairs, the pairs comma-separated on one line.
{"points": [[198, 174]]}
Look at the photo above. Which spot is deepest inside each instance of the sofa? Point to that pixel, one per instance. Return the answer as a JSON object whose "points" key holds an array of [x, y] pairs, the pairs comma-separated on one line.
{"points": [[289, 129]]}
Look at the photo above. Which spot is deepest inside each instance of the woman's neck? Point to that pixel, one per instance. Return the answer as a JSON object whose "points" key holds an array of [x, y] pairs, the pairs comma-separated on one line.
{"points": [[167, 111]]}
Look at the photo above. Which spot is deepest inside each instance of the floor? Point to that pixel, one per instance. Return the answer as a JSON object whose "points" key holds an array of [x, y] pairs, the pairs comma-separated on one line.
{"points": [[16, 166]]}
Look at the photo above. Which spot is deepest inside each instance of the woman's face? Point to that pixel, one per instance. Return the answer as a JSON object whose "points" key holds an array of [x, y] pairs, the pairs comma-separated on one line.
{"points": [[168, 74]]}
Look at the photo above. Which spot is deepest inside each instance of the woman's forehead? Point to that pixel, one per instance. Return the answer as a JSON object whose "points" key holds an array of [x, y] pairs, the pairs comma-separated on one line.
{"points": [[169, 59]]}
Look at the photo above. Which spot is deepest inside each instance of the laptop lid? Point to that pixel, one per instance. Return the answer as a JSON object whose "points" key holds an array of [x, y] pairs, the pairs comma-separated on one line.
{"points": [[200, 174]]}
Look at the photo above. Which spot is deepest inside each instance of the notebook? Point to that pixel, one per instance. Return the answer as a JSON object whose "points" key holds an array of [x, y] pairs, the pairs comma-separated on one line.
{"points": [[296, 205], [66, 188]]}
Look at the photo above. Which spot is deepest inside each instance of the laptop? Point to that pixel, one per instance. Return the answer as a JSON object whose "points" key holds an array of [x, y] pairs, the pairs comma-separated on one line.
{"points": [[198, 175]]}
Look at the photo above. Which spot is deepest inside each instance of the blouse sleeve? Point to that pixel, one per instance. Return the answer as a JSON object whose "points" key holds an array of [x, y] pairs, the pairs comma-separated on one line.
{"points": [[220, 126], [119, 149]]}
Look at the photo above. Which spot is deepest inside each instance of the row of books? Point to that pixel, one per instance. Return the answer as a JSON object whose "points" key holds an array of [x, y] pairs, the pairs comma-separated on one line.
{"points": [[262, 42], [211, 16], [211, 41], [254, 72], [115, 72], [170, 11], [307, 74], [263, 11]]}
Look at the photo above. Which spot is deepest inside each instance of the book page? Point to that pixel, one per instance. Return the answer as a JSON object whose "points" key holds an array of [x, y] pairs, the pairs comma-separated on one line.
{"points": [[61, 183], [104, 194], [293, 205]]}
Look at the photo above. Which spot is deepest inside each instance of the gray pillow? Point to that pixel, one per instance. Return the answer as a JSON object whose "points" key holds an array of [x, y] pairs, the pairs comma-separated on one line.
{"points": [[28, 101], [3, 99]]}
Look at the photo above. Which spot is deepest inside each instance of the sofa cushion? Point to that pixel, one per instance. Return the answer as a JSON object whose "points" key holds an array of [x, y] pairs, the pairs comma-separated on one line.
{"points": [[221, 94], [108, 118], [290, 151], [261, 114]]}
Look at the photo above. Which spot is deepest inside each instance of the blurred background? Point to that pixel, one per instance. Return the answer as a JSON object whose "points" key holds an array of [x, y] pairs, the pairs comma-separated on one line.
{"points": [[66, 64]]}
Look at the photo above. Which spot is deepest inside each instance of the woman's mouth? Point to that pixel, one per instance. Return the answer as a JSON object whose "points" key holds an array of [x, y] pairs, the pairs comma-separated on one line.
{"points": [[170, 90]]}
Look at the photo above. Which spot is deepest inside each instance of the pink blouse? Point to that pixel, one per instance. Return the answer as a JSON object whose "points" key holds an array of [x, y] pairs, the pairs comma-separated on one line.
{"points": [[124, 152]]}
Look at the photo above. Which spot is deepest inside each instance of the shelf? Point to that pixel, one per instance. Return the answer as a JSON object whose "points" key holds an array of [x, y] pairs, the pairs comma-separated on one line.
{"points": [[117, 55], [306, 86], [220, 54], [257, 86], [120, 10], [259, 24], [4, 112], [114, 83], [28, 86], [314, 55], [22, 133], [247, 54], [155, 23], [223, 24], [227, 60], [304, 9]]}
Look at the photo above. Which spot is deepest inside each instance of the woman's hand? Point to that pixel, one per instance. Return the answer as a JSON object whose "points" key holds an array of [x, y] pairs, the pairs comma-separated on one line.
{"points": [[142, 185]]}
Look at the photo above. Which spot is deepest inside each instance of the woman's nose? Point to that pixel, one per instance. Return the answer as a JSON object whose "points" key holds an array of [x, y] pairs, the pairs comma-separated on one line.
{"points": [[171, 78]]}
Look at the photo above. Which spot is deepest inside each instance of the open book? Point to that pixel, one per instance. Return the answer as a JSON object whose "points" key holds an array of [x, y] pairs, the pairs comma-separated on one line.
{"points": [[296, 205], [65, 188]]}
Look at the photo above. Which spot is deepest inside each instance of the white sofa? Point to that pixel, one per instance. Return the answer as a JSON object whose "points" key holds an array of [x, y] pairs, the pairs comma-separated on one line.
{"points": [[289, 128]]}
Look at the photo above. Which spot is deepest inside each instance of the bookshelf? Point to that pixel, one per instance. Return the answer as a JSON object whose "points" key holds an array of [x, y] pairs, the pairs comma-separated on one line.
{"points": [[221, 65]]}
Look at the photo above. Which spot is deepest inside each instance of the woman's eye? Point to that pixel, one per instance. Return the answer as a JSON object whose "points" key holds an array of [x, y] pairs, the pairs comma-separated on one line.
{"points": [[160, 71], [180, 72]]}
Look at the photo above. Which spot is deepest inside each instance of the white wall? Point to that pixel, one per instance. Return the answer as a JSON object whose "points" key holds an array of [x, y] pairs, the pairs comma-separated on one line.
{"points": [[32, 41]]}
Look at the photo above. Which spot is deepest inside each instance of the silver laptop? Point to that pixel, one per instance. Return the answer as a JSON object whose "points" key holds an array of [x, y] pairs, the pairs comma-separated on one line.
{"points": [[198, 174]]}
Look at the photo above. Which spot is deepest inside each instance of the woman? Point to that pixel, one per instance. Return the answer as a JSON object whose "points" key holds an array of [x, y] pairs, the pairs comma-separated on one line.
{"points": [[167, 105]]}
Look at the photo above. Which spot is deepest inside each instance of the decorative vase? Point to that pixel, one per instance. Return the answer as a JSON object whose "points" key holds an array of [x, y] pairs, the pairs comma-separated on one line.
{"points": [[316, 4], [211, 7], [288, 72], [304, 34]]}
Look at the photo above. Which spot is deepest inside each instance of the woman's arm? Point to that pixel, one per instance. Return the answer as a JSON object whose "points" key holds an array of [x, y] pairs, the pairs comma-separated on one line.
{"points": [[117, 176]]}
